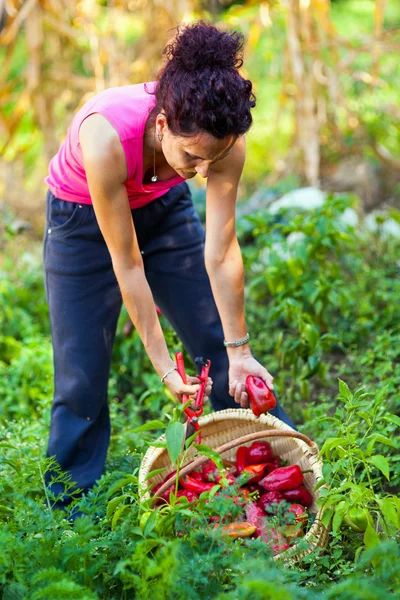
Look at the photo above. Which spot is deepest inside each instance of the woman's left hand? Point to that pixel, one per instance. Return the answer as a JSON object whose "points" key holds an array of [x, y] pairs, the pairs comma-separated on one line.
{"points": [[239, 368]]}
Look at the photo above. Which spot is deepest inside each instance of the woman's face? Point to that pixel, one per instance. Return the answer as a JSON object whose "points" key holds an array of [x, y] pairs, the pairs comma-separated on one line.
{"points": [[191, 155]]}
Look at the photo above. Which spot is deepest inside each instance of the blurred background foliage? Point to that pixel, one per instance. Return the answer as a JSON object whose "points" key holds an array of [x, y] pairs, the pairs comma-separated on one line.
{"points": [[325, 75]]}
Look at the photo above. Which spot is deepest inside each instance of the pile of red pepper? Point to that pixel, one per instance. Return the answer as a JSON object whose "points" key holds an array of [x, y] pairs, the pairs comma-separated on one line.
{"points": [[272, 497]]}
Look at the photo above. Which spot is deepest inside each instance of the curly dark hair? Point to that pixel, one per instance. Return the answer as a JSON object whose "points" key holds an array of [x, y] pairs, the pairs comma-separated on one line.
{"points": [[199, 87]]}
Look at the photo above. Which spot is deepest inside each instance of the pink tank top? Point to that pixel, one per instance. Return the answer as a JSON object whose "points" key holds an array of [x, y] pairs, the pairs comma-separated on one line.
{"points": [[126, 108]]}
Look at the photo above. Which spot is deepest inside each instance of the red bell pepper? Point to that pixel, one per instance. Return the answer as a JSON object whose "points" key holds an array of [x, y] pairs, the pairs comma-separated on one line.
{"points": [[259, 452], [197, 475], [284, 478], [237, 530], [300, 514], [254, 514], [253, 473], [300, 495], [261, 397], [209, 469], [254, 487], [268, 499], [193, 485], [221, 479], [273, 537], [191, 496], [242, 498], [241, 458], [295, 530], [276, 462]]}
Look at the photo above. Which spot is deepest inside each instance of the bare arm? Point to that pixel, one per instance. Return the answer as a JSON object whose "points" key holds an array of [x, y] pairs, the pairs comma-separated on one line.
{"points": [[223, 256], [106, 172], [224, 266]]}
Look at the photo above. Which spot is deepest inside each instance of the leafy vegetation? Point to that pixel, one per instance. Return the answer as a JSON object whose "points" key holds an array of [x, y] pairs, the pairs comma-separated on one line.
{"points": [[322, 306]]}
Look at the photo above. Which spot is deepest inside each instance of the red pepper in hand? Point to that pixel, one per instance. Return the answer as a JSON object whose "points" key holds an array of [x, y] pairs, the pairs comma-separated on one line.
{"points": [[193, 485], [241, 458], [261, 397], [284, 478], [268, 499], [300, 495], [253, 473]]}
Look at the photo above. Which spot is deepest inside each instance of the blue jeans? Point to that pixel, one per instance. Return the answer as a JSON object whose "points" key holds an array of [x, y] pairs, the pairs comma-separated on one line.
{"points": [[84, 304]]}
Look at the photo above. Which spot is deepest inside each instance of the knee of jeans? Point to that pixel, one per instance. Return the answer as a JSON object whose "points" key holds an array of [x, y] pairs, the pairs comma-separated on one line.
{"points": [[84, 401]]}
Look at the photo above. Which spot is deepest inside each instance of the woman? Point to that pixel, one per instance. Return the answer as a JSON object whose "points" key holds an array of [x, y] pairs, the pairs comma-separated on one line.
{"points": [[121, 227]]}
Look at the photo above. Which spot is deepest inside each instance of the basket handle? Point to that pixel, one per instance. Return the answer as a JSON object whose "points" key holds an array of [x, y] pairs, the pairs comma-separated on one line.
{"points": [[250, 437]]}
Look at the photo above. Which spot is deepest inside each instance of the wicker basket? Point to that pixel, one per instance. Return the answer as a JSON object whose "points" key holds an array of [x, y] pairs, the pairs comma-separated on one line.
{"points": [[225, 430]]}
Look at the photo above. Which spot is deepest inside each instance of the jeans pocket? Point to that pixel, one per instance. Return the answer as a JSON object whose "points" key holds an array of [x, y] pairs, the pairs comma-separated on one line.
{"points": [[62, 216]]}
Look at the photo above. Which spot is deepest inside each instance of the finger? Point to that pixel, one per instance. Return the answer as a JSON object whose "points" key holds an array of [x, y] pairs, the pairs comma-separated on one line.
{"points": [[190, 390], [208, 390], [232, 388], [244, 400], [269, 380], [238, 392]]}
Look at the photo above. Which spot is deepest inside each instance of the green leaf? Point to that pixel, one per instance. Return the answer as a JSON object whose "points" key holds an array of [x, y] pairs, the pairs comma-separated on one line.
{"points": [[112, 505], [371, 538], [154, 473], [389, 510], [151, 523], [120, 483], [381, 463], [332, 443], [344, 390], [326, 517], [378, 438], [191, 439], [14, 591], [340, 510], [158, 444], [118, 513], [393, 419], [311, 334], [6, 510], [175, 435], [149, 426], [207, 451], [364, 415]]}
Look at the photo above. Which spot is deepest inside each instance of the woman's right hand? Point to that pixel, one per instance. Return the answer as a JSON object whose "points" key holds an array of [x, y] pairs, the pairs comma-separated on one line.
{"points": [[176, 386]]}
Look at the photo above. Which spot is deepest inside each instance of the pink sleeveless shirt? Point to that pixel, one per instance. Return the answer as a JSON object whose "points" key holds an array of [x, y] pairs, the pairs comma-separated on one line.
{"points": [[126, 108]]}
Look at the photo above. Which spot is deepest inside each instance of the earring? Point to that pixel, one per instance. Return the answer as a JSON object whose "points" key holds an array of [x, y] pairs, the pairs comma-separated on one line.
{"points": [[154, 178]]}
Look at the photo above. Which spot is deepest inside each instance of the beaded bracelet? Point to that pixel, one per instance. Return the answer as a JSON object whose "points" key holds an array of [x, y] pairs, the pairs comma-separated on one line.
{"points": [[237, 343], [168, 373]]}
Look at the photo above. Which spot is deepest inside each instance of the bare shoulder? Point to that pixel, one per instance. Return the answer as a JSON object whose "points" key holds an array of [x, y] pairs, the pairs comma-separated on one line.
{"points": [[102, 148]]}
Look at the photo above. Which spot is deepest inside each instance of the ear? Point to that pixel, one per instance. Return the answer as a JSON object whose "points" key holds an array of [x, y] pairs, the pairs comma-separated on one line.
{"points": [[161, 122]]}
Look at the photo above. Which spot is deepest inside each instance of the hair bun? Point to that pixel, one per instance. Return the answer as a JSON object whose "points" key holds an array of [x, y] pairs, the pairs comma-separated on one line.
{"points": [[203, 45]]}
